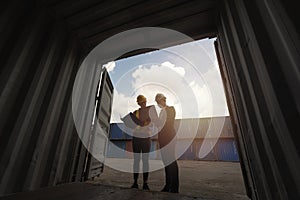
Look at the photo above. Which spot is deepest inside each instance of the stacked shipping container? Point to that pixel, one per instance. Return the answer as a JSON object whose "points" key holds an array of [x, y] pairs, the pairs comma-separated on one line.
{"points": [[217, 133]]}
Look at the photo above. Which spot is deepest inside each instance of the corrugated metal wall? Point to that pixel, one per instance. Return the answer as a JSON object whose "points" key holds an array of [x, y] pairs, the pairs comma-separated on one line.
{"points": [[222, 148], [39, 58], [258, 47]]}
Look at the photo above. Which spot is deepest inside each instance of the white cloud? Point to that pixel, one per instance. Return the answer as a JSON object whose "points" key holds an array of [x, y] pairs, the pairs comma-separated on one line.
{"points": [[215, 86], [178, 70], [121, 106], [203, 97], [186, 96], [193, 96], [194, 90]]}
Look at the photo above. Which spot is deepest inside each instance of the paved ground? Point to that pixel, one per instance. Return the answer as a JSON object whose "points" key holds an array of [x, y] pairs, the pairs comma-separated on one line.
{"points": [[87, 191], [198, 180], [203, 179]]}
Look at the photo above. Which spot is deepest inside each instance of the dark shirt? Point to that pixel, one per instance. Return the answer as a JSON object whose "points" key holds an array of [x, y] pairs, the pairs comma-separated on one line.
{"points": [[143, 120], [167, 133]]}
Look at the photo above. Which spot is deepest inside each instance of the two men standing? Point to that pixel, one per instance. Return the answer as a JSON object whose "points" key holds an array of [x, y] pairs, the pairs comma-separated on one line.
{"points": [[145, 117]]}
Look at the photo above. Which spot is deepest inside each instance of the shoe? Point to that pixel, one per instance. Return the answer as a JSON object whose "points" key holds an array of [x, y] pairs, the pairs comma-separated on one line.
{"points": [[165, 189], [135, 185], [145, 186]]}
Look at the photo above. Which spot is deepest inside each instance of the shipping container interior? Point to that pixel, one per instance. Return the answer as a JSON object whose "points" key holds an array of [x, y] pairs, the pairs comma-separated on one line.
{"points": [[48, 135]]}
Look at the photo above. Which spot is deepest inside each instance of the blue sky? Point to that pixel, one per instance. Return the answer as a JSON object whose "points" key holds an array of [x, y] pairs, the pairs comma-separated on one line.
{"points": [[187, 74]]}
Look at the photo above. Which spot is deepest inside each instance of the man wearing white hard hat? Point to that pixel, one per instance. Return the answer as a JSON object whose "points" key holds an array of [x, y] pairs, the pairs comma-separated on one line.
{"points": [[166, 141]]}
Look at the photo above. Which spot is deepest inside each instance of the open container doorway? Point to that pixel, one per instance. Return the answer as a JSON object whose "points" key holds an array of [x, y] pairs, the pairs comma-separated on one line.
{"points": [[206, 137]]}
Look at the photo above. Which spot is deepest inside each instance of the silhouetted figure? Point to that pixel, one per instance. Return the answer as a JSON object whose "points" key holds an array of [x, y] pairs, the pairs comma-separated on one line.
{"points": [[141, 141], [167, 146]]}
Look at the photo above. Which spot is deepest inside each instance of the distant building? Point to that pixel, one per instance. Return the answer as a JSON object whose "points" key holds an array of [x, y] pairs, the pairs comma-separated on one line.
{"points": [[191, 133]]}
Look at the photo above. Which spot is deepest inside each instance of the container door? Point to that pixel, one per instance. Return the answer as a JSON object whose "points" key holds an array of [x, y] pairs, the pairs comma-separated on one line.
{"points": [[100, 127], [242, 151]]}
